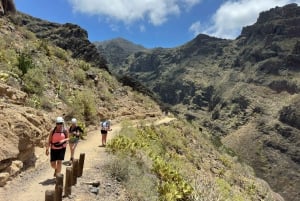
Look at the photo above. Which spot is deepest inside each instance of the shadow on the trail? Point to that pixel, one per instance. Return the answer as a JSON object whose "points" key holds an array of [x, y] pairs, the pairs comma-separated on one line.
{"points": [[48, 182], [67, 163]]}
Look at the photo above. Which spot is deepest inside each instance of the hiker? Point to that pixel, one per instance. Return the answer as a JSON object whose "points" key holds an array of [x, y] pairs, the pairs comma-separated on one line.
{"points": [[57, 142], [74, 132], [104, 128]]}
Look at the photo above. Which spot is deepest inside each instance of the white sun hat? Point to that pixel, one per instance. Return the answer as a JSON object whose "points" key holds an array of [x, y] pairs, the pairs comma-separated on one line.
{"points": [[74, 120], [59, 120]]}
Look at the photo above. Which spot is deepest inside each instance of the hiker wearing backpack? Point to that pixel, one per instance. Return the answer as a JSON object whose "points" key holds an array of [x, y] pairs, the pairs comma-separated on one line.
{"points": [[57, 142], [75, 132], [104, 128]]}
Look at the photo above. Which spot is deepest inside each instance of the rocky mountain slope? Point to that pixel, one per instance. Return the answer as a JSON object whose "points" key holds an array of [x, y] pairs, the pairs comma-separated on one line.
{"points": [[118, 46], [66, 36], [243, 92], [40, 81]]}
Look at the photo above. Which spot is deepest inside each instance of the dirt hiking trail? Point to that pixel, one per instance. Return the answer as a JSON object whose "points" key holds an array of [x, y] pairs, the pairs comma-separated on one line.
{"points": [[31, 184]]}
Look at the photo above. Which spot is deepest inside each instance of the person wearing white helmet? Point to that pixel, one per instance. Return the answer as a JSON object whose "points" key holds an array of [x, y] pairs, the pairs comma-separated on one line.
{"points": [[57, 142], [75, 132]]}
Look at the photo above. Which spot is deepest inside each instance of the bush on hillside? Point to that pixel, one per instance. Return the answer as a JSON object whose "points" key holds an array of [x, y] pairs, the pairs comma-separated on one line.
{"points": [[34, 81], [83, 106], [290, 115], [79, 76], [25, 63]]}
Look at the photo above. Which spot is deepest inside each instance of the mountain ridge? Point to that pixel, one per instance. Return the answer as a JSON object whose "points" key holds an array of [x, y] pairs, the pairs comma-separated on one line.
{"points": [[224, 85], [117, 46]]}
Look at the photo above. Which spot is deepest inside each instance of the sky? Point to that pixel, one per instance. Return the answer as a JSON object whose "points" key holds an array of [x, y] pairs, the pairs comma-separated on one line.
{"points": [[152, 23]]}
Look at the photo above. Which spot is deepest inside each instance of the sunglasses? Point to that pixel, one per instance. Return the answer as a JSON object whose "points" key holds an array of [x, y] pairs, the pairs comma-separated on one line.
{"points": [[59, 123]]}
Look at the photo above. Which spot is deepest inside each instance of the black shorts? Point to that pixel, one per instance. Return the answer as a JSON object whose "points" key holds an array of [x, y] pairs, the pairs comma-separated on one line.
{"points": [[103, 131], [57, 154]]}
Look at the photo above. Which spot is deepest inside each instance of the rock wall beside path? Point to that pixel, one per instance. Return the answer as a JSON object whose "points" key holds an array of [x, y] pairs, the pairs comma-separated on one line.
{"points": [[21, 129]]}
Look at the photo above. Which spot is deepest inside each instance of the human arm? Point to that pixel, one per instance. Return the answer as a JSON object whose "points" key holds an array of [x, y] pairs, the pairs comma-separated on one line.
{"points": [[48, 143], [67, 137], [80, 130]]}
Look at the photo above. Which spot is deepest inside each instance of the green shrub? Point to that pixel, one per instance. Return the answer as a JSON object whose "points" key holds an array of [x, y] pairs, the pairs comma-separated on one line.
{"points": [[119, 169], [25, 63], [61, 54], [34, 81], [84, 66], [139, 184], [80, 76], [83, 106], [44, 46], [46, 103], [172, 185], [34, 101]]}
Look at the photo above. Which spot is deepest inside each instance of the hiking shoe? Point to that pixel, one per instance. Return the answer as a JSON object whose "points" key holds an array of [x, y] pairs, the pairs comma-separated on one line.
{"points": [[68, 163]]}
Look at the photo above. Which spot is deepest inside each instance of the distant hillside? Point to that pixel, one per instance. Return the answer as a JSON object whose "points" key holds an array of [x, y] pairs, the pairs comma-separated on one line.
{"points": [[117, 50], [244, 92]]}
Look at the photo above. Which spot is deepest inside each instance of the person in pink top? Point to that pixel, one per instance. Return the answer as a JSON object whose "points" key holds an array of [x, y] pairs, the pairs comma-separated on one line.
{"points": [[57, 142]]}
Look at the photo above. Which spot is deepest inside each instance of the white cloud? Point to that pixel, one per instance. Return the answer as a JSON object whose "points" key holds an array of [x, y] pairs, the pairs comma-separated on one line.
{"points": [[231, 16], [195, 28], [128, 11]]}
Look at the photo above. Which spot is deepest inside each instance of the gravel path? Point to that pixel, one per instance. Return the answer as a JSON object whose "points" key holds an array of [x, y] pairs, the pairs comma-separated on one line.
{"points": [[31, 184]]}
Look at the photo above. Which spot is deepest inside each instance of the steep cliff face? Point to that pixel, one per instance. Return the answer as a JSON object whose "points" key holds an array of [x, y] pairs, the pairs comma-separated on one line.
{"points": [[244, 91]]}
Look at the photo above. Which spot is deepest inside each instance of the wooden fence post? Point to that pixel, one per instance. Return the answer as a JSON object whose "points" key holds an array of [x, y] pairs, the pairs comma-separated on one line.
{"points": [[59, 187], [75, 171], [81, 163], [49, 195], [68, 185]]}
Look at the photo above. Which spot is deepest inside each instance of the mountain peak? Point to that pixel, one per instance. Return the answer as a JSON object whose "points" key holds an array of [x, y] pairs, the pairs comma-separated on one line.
{"points": [[276, 21]]}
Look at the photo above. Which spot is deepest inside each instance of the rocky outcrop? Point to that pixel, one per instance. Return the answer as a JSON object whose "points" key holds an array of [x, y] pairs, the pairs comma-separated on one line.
{"points": [[7, 6], [277, 22], [22, 128], [66, 36]]}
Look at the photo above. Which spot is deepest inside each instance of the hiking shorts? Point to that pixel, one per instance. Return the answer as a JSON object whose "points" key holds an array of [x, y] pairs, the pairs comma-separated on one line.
{"points": [[74, 140], [57, 154], [103, 131]]}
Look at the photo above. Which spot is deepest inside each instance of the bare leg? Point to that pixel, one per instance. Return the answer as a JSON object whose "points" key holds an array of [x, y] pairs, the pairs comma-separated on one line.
{"points": [[72, 149], [53, 164], [104, 139], [58, 167]]}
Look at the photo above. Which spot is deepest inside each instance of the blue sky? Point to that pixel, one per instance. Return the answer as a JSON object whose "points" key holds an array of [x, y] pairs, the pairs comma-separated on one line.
{"points": [[152, 23]]}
